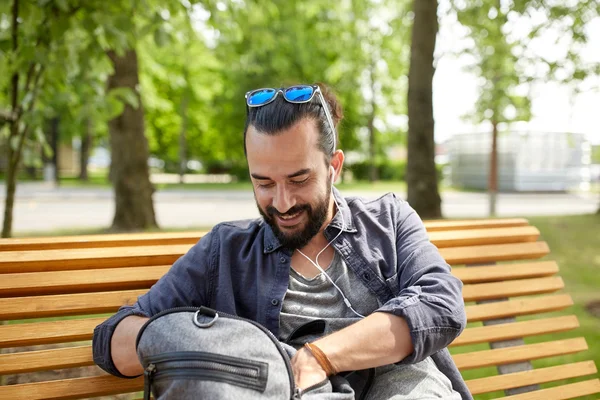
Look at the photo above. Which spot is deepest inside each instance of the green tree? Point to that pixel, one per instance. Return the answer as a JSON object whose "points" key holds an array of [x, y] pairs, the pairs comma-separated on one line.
{"points": [[421, 174], [179, 77], [30, 49], [508, 64]]}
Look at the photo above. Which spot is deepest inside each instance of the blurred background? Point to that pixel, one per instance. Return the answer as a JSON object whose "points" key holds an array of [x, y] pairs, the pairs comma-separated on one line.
{"points": [[129, 115]]}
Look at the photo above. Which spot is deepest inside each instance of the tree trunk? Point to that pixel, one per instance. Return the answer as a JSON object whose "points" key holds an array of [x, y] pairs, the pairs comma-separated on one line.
{"points": [[11, 187], [84, 155], [493, 179], [54, 143], [421, 174], [134, 209], [11, 167]]}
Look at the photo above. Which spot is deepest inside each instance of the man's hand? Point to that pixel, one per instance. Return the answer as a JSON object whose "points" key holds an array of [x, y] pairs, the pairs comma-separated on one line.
{"points": [[306, 369]]}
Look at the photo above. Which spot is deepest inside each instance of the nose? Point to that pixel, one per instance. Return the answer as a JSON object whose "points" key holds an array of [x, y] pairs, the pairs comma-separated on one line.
{"points": [[283, 199]]}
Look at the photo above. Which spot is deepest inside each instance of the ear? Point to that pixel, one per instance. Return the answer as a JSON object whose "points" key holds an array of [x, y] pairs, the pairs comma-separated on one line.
{"points": [[337, 163]]}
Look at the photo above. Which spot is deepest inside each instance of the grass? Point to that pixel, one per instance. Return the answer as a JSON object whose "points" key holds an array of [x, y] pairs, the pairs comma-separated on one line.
{"points": [[574, 243]]}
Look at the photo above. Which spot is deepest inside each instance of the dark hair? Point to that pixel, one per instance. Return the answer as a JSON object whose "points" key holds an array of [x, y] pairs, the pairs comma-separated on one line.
{"points": [[279, 115]]}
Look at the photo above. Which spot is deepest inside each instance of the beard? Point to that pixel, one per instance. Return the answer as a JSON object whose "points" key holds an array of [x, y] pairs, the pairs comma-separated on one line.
{"points": [[316, 213]]}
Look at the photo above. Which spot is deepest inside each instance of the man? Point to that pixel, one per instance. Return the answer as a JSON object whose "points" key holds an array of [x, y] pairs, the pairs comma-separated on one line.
{"points": [[366, 268]]}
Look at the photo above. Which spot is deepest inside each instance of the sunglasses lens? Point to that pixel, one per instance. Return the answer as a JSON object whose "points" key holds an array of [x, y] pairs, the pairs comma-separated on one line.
{"points": [[261, 96], [299, 93]]}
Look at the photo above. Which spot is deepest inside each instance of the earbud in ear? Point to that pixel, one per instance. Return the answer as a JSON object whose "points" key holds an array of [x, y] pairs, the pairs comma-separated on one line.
{"points": [[331, 173]]}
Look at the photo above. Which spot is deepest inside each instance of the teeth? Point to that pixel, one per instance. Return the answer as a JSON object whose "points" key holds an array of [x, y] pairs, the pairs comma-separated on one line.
{"points": [[288, 216]]}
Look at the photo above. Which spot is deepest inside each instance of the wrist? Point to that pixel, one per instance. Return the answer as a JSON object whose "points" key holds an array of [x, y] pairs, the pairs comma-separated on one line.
{"points": [[321, 359]]}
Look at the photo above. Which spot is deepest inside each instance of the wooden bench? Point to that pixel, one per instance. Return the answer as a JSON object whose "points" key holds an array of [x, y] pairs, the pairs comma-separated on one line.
{"points": [[77, 282]]}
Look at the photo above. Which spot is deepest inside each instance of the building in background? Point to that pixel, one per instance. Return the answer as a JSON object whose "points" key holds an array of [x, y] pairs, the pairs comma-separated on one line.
{"points": [[527, 161]]}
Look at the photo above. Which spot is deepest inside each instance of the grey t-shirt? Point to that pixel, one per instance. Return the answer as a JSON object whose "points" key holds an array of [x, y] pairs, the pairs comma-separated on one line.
{"points": [[310, 299]]}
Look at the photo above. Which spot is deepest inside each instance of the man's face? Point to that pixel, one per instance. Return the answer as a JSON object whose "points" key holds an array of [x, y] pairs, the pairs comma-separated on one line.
{"points": [[291, 183]]}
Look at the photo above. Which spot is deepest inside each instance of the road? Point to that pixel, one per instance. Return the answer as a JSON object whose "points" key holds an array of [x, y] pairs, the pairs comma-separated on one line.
{"points": [[41, 207]]}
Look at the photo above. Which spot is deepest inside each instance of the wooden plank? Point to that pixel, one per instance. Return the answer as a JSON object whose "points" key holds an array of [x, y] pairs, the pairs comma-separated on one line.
{"points": [[118, 257], [62, 305], [82, 355], [75, 388], [444, 225], [109, 302], [162, 238], [114, 257], [74, 330], [102, 240], [42, 360], [476, 237], [494, 252], [521, 287], [533, 377], [509, 355], [41, 283], [564, 392], [94, 280], [514, 330], [517, 307], [506, 272]]}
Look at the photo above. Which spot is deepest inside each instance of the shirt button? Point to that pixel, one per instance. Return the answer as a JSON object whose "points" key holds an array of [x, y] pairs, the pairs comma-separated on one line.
{"points": [[283, 260], [367, 276], [269, 247], [274, 302]]}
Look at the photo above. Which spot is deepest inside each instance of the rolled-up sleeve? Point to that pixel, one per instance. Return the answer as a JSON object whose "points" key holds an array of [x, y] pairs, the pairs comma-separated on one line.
{"points": [[187, 283], [430, 297]]}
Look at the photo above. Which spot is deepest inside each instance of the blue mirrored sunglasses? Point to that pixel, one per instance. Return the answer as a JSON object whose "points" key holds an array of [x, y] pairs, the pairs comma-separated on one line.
{"points": [[294, 94]]}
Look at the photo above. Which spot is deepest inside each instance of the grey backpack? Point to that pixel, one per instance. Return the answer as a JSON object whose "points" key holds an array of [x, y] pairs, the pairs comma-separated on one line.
{"points": [[200, 353]]}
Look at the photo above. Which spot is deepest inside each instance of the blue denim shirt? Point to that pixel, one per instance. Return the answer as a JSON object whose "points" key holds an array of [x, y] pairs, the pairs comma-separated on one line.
{"points": [[241, 268]]}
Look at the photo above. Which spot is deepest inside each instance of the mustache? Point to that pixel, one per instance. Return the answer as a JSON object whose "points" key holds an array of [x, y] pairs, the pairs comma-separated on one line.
{"points": [[272, 211]]}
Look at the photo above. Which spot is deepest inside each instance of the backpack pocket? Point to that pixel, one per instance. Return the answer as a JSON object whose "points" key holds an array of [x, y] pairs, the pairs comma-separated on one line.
{"points": [[203, 366]]}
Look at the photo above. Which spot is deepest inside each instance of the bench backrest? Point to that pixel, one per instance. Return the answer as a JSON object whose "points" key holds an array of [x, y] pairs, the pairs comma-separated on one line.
{"points": [[74, 283]]}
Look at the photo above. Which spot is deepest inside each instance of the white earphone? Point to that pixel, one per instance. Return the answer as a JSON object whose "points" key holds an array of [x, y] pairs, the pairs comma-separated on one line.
{"points": [[316, 262]]}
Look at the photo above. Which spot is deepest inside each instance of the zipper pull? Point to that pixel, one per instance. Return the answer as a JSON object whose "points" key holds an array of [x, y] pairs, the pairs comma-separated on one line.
{"points": [[297, 394], [148, 374]]}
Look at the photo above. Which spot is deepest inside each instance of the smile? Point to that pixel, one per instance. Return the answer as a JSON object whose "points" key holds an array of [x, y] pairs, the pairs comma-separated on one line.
{"points": [[290, 220]]}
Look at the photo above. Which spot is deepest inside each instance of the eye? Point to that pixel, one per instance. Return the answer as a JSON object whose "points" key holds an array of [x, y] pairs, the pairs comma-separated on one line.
{"points": [[303, 181], [265, 185]]}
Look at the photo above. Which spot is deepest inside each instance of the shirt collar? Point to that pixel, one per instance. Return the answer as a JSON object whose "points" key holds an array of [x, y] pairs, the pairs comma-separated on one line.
{"points": [[271, 243]]}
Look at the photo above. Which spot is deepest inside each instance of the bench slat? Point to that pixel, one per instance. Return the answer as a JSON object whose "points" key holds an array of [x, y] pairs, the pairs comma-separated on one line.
{"points": [[82, 329], [443, 225], [494, 253], [60, 260], [564, 392], [76, 388], [533, 377], [476, 237], [506, 272], [93, 280], [510, 355], [191, 237], [521, 287], [517, 307], [513, 330], [82, 355], [73, 330], [109, 302], [42, 360], [102, 240], [57, 282], [62, 305]]}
